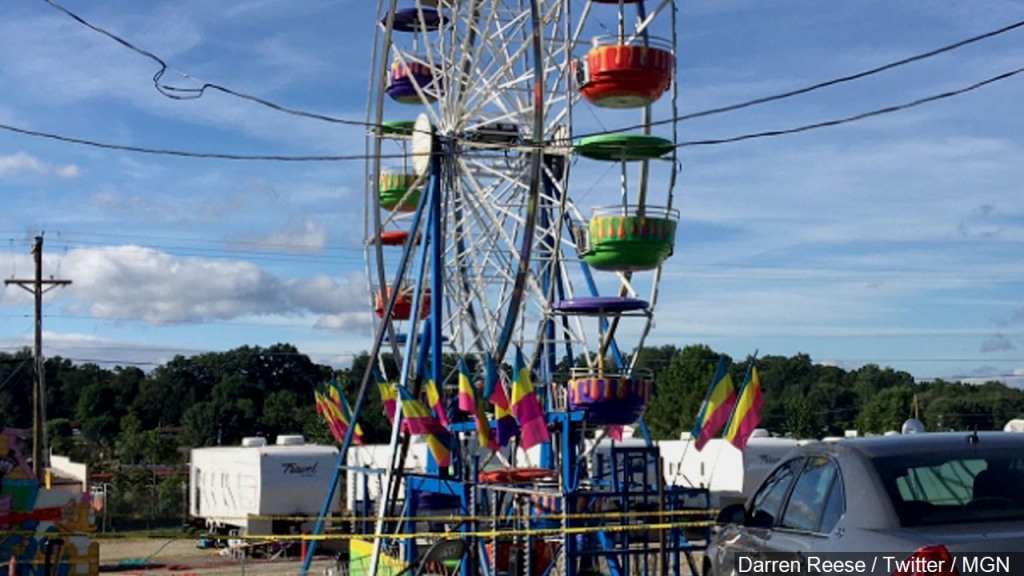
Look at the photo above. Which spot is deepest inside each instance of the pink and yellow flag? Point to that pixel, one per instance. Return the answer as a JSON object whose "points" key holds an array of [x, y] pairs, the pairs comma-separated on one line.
{"points": [[332, 404], [388, 398], [747, 414], [435, 402], [469, 402], [534, 429], [418, 419]]}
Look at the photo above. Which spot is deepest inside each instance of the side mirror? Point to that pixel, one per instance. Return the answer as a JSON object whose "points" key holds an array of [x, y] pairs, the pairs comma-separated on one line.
{"points": [[732, 514]]}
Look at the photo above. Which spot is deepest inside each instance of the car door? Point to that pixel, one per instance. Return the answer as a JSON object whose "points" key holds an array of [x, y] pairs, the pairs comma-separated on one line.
{"points": [[811, 513], [749, 539]]}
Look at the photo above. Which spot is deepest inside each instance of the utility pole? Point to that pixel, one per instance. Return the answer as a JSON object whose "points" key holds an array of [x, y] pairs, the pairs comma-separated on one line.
{"points": [[36, 287]]}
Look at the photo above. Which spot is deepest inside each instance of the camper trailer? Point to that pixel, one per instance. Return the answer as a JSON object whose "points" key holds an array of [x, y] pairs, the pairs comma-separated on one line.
{"points": [[729, 474], [258, 488]]}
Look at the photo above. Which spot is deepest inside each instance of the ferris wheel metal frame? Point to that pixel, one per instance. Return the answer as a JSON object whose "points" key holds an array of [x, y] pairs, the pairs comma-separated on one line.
{"points": [[487, 224]]}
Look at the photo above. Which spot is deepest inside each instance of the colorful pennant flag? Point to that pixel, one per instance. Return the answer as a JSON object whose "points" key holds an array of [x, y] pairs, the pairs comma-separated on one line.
{"points": [[490, 376], [418, 420], [389, 399], [435, 402], [333, 405], [505, 424], [526, 408], [388, 395], [470, 403], [747, 414], [324, 410], [718, 405]]}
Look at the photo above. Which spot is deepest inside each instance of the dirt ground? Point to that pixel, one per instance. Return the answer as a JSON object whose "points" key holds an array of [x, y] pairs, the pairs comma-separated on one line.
{"points": [[165, 557]]}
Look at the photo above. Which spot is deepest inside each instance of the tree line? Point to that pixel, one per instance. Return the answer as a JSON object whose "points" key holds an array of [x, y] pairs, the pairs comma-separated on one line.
{"points": [[134, 428], [124, 416]]}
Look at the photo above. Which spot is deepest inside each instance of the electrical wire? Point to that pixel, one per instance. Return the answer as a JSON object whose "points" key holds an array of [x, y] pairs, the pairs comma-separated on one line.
{"points": [[193, 93], [178, 93], [707, 142], [185, 153], [826, 83], [854, 118]]}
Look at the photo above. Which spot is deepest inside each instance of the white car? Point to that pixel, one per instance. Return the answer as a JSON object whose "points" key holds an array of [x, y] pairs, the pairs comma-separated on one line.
{"points": [[952, 497]]}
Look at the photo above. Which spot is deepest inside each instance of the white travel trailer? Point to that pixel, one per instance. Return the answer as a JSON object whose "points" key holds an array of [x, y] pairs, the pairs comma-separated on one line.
{"points": [[244, 487], [729, 474]]}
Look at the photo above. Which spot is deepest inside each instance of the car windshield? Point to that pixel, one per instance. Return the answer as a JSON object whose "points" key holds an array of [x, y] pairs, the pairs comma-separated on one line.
{"points": [[955, 486]]}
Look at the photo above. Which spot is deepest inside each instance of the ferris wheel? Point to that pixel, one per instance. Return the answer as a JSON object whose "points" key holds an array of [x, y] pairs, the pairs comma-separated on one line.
{"points": [[501, 88], [520, 191]]}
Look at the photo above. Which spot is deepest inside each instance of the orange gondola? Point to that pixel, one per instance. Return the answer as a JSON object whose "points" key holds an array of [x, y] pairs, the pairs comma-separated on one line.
{"points": [[403, 304], [515, 475], [394, 238], [617, 75]]}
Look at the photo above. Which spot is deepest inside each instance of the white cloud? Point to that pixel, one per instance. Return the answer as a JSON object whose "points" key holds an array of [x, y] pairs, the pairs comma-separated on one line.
{"points": [[136, 283], [107, 352], [298, 237], [22, 163], [325, 295], [353, 322]]}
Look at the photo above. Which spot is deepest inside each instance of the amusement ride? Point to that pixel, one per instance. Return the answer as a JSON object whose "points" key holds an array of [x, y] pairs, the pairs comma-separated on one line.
{"points": [[490, 132]]}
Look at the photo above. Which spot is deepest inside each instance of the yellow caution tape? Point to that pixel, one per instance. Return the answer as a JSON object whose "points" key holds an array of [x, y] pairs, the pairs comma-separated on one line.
{"points": [[473, 534], [464, 518]]}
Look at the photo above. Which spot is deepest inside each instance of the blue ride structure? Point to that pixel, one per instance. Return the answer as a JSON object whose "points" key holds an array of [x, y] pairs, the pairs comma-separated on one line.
{"points": [[498, 302]]}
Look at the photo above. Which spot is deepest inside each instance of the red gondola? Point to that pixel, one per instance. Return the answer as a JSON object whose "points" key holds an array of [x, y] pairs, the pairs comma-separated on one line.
{"points": [[625, 76], [403, 304], [394, 238]]}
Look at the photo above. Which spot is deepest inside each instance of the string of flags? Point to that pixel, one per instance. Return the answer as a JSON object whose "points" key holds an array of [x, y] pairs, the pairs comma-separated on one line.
{"points": [[517, 410], [726, 409]]}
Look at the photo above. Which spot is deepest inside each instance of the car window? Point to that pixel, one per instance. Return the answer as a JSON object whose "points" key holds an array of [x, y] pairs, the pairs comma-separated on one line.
{"points": [[810, 492], [767, 503], [956, 486], [940, 483], [835, 507]]}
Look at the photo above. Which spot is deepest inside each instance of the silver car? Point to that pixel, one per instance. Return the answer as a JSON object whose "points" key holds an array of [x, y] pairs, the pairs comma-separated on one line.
{"points": [[920, 497]]}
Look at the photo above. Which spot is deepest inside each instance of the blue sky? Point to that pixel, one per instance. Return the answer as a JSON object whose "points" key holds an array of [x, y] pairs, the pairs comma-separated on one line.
{"points": [[898, 240]]}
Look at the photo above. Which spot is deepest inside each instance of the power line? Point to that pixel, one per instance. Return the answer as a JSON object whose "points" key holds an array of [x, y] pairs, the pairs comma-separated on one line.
{"points": [[186, 153], [193, 93], [826, 83], [178, 93], [854, 118], [690, 143]]}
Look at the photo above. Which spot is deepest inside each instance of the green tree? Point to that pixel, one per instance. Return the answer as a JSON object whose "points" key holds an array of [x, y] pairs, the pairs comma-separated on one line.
{"points": [[199, 425], [280, 414], [887, 410], [798, 418], [680, 390], [16, 374], [137, 446]]}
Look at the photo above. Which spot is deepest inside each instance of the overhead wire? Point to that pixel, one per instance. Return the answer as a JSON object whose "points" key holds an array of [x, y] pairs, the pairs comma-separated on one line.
{"points": [[192, 93], [185, 153], [827, 83], [178, 93], [685, 144], [855, 117]]}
